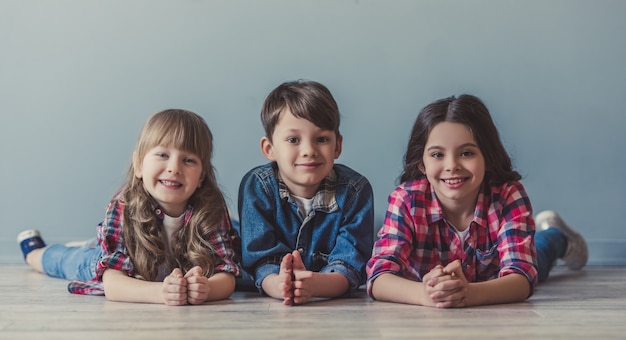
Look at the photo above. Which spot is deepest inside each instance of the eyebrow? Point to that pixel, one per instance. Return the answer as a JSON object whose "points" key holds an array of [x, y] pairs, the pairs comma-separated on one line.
{"points": [[437, 147]]}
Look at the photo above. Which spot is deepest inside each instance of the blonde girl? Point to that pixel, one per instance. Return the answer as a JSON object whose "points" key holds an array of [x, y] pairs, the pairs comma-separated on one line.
{"points": [[165, 237]]}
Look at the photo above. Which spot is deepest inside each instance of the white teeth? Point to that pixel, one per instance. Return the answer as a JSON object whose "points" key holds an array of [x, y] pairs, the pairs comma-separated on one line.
{"points": [[169, 183], [453, 181]]}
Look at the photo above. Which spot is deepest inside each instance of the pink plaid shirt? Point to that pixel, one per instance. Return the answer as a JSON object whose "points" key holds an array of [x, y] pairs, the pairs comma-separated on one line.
{"points": [[415, 236], [115, 255]]}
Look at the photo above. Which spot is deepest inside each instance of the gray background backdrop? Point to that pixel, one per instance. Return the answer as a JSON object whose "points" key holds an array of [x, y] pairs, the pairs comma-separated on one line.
{"points": [[78, 79]]}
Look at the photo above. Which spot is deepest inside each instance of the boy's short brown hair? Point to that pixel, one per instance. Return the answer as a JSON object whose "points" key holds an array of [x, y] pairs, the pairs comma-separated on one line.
{"points": [[305, 99]]}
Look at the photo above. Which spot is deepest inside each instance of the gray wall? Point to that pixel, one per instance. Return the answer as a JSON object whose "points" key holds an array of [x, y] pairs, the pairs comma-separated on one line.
{"points": [[78, 78]]}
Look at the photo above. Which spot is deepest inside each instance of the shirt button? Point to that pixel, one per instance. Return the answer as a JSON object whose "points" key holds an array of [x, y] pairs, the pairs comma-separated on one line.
{"points": [[301, 250]]}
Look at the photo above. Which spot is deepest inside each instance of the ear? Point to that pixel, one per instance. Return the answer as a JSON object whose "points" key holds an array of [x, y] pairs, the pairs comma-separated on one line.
{"points": [[267, 148], [338, 146], [201, 179], [422, 168], [137, 165]]}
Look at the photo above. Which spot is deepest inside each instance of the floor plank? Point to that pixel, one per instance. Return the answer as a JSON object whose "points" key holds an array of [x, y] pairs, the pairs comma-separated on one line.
{"points": [[589, 303]]}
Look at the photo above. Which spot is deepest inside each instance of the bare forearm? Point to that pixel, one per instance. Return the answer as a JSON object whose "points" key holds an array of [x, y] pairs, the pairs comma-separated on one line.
{"points": [[271, 286], [506, 289], [222, 286], [329, 285], [393, 288], [120, 287]]}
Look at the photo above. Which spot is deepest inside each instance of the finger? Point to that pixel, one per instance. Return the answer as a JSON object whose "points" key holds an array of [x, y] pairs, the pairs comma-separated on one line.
{"points": [[298, 264], [196, 298], [197, 288], [174, 288], [433, 273], [176, 273], [195, 271], [451, 283], [197, 279], [451, 300], [286, 288], [175, 299], [434, 281], [301, 296], [174, 294], [286, 264], [454, 267], [448, 304], [302, 274], [175, 281]]}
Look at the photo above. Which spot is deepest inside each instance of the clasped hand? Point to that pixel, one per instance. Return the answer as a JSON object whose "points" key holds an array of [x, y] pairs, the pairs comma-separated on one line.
{"points": [[179, 289], [446, 286], [295, 280]]}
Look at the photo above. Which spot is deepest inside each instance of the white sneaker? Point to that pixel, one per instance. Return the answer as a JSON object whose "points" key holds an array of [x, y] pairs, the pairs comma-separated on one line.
{"points": [[576, 254]]}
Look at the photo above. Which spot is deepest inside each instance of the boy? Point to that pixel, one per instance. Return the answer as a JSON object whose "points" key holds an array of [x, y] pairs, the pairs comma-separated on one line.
{"points": [[306, 223]]}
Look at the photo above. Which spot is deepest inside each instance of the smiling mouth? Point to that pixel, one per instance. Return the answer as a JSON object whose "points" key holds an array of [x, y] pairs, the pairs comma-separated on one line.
{"points": [[454, 180], [170, 184], [308, 165]]}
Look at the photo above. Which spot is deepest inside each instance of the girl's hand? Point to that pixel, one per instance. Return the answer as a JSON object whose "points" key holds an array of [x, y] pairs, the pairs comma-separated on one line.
{"points": [[175, 289], [285, 279], [302, 286], [449, 289], [430, 281], [198, 287]]}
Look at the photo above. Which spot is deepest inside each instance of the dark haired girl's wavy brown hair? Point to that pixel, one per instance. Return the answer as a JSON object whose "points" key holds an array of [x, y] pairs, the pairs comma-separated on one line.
{"points": [[471, 112], [305, 99], [143, 229]]}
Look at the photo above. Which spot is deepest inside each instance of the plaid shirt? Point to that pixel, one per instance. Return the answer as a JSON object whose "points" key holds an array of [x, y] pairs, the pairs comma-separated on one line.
{"points": [[115, 255], [415, 236]]}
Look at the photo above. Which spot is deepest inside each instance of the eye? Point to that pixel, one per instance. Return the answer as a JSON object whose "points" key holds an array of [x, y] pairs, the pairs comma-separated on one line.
{"points": [[467, 153], [323, 139], [293, 140], [436, 155], [161, 155], [189, 160]]}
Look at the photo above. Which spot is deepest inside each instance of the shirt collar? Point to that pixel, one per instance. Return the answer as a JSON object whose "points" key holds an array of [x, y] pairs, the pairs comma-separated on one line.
{"points": [[434, 211], [324, 198], [158, 211]]}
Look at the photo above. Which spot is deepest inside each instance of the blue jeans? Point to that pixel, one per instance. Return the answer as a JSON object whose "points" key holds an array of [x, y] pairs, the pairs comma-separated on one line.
{"points": [[71, 263], [551, 244]]}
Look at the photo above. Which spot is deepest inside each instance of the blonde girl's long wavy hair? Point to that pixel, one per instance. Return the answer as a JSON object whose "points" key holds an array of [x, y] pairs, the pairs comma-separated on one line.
{"points": [[143, 230]]}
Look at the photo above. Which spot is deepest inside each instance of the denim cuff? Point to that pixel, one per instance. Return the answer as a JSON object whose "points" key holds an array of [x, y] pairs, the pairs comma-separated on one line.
{"points": [[262, 271]]}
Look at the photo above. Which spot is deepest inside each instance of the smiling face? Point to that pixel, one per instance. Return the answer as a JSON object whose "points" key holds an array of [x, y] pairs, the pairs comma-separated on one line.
{"points": [[171, 176], [305, 153], [453, 164]]}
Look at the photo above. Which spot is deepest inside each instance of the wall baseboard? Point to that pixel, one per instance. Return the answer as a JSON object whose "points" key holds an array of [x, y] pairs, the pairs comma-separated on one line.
{"points": [[607, 252], [601, 252]]}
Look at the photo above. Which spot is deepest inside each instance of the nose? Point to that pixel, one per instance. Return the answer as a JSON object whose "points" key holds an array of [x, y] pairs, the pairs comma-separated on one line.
{"points": [[173, 166], [307, 149], [452, 164]]}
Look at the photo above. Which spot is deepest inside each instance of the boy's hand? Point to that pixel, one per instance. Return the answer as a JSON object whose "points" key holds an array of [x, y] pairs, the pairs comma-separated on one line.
{"points": [[198, 287], [302, 285], [174, 289], [449, 288], [285, 279]]}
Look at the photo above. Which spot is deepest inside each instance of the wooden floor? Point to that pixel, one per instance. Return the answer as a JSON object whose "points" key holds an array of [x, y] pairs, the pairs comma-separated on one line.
{"points": [[586, 304]]}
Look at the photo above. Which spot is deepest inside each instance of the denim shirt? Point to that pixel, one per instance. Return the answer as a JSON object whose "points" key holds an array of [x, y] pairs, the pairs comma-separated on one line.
{"points": [[336, 236]]}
